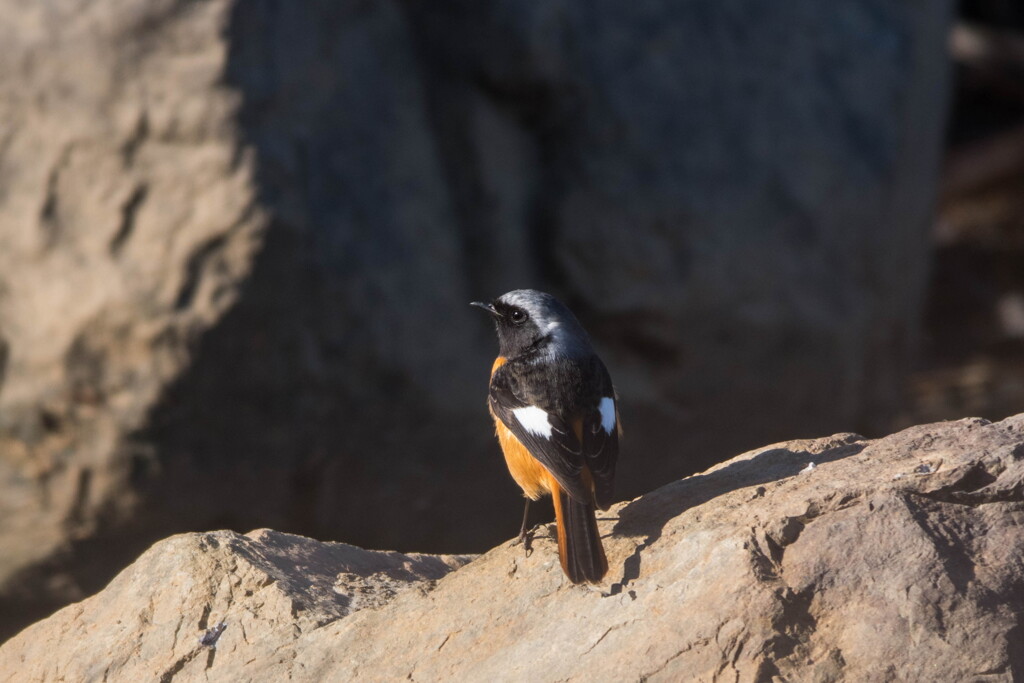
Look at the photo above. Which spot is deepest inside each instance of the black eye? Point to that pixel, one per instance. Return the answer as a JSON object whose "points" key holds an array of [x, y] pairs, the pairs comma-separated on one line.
{"points": [[517, 316]]}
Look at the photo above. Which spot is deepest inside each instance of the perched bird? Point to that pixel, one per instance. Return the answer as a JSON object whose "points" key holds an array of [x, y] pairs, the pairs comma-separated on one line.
{"points": [[555, 413]]}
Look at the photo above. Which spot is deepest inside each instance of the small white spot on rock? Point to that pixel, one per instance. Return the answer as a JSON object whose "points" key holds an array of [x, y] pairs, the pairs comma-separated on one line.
{"points": [[810, 468]]}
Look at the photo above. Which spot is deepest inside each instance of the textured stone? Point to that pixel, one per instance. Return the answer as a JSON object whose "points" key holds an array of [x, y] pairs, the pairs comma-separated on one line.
{"points": [[893, 559], [193, 597], [127, 221]]}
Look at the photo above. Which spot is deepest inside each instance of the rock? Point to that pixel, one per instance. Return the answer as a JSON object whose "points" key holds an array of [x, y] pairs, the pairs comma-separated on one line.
{"points": [[262, 589], [238, 240], [892, 559], [128, 220]]}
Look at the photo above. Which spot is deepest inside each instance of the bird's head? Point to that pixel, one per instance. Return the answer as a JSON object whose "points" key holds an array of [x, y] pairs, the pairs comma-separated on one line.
{"points": [[527, 319]]}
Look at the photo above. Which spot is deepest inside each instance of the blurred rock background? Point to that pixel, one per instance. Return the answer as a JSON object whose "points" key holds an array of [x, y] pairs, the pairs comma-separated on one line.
{"points": [[238, 241], [972, 358]]}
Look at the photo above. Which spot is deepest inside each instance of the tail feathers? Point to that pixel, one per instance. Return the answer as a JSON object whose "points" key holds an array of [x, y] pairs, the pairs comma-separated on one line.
{"points": [[579, 542]]}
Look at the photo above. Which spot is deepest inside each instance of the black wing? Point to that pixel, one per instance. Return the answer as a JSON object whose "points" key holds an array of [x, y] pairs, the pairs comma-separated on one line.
{"points": [[601, 435], [559, 449]]}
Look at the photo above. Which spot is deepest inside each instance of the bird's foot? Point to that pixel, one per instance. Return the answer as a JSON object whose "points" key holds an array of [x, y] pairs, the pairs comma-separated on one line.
{"points": [[526, 539]]}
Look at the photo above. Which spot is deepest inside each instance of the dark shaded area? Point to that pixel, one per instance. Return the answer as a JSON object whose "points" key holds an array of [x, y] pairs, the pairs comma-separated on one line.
{"points": [[994, 12], [4, 354], [972, 356], [968, 282], [343, 469]]}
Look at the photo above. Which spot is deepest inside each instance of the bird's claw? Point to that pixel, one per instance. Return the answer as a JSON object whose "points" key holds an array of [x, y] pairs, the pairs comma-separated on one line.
{"points": [[526, 539]]}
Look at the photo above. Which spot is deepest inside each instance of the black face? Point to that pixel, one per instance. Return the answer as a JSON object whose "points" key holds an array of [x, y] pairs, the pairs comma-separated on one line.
{"points": [[528, 320], [517, 331]]}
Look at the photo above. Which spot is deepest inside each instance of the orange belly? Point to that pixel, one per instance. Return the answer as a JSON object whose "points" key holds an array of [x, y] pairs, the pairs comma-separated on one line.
{"points": [[532, 477]]}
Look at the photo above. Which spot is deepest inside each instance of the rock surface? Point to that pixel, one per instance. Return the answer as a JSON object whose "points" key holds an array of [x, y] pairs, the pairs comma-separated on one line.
{"points": [[237, 241], [827, 559], [193, 596]]}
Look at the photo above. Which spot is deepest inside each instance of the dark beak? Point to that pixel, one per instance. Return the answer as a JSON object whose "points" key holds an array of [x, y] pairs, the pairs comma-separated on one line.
{"points": [[487, 307]]}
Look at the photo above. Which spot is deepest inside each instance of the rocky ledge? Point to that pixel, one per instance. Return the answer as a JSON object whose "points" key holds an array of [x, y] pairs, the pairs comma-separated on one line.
{"points": [[900, 558]]}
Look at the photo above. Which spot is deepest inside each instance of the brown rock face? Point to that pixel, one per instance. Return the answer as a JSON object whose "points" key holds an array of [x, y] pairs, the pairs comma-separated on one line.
{"points": [[894, 559], [127, 220]]}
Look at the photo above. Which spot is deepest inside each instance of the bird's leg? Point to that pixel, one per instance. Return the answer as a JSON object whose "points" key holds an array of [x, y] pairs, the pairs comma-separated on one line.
{"points": [[525, 535]]}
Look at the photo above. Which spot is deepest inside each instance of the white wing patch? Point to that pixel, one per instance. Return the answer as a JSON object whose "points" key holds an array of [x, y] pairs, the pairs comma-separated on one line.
{"points": [[534, 420], [607, 409]]}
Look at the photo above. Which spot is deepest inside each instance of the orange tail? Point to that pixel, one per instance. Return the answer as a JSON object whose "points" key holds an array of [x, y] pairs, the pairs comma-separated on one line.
{"points": [[579, 542]]}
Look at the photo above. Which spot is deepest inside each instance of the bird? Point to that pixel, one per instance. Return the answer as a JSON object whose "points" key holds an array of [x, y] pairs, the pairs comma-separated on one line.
{"points": [[555, 413]]}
